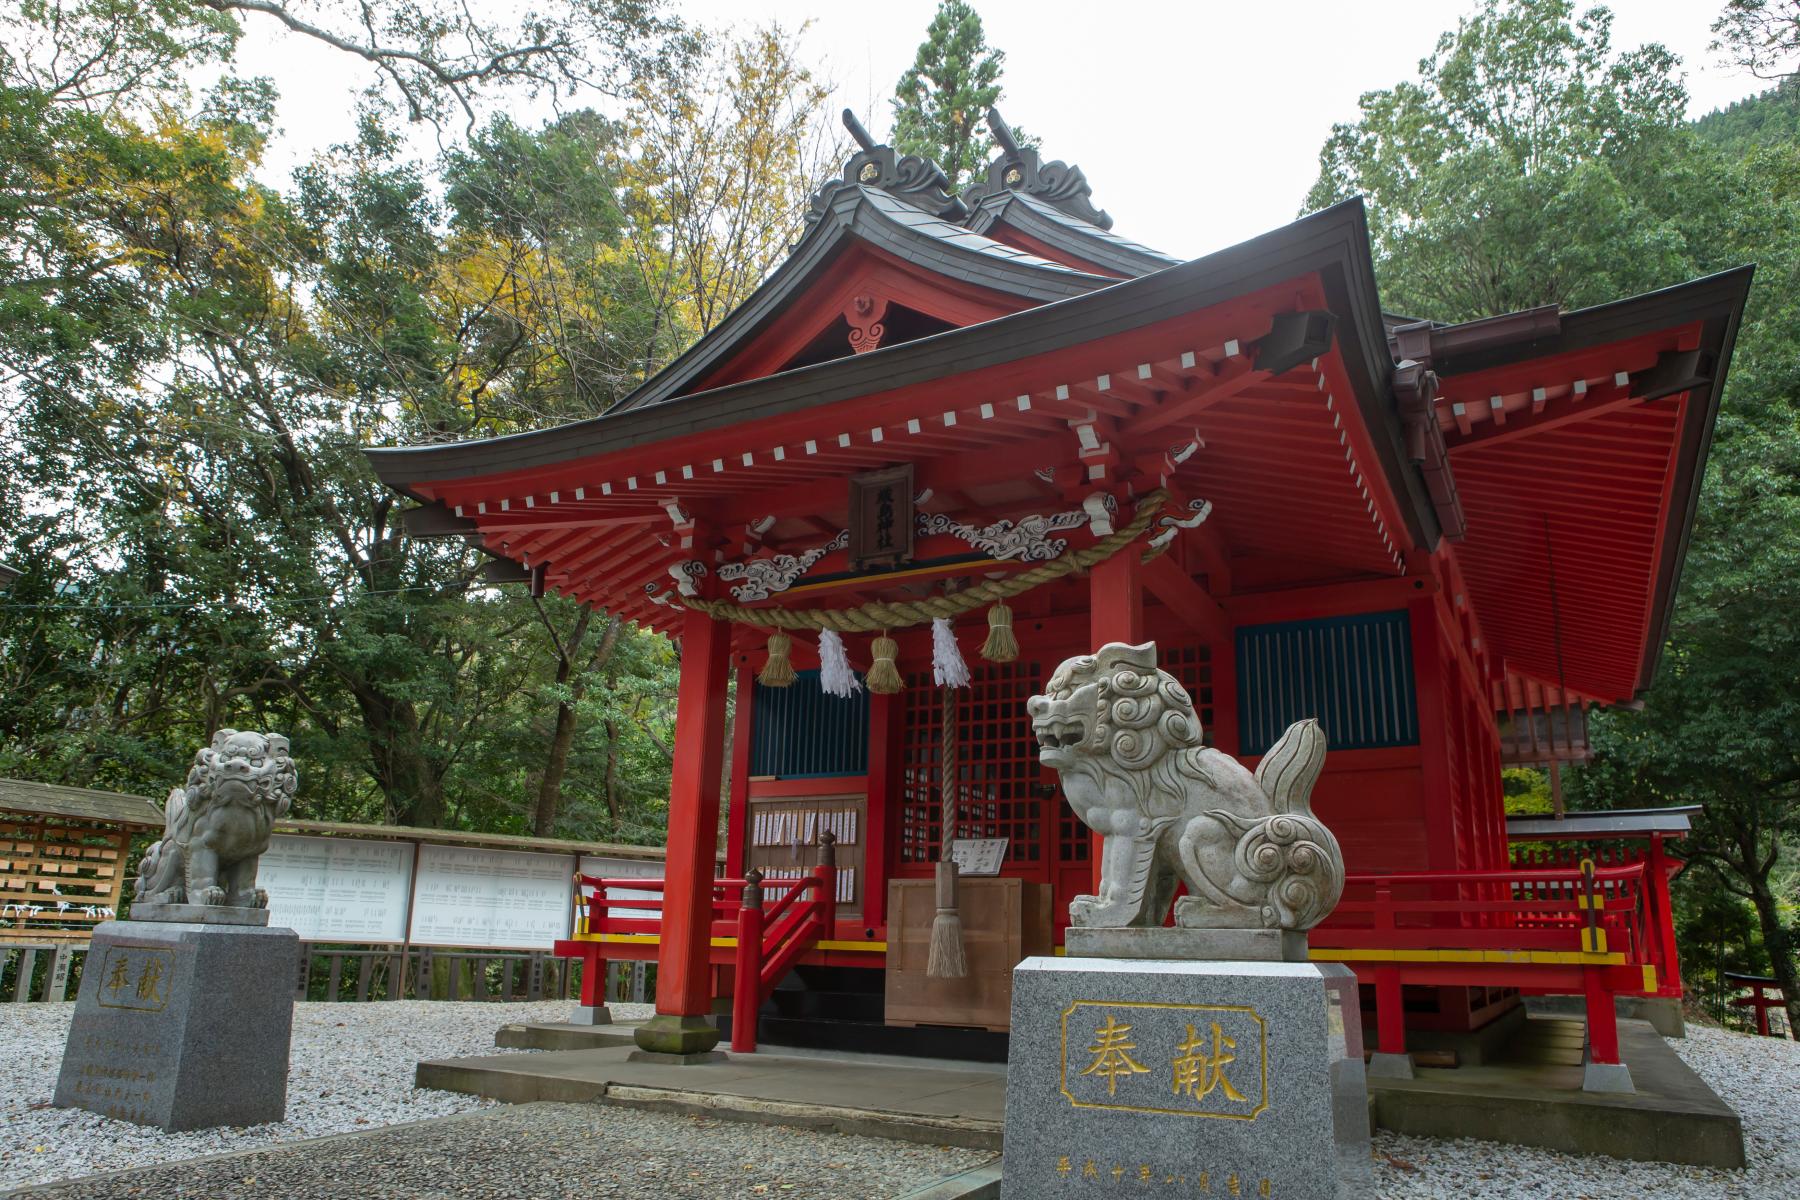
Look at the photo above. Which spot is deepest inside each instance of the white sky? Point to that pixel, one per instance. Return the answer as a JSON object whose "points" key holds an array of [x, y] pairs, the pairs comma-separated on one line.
{"points": [[1197, 123]]}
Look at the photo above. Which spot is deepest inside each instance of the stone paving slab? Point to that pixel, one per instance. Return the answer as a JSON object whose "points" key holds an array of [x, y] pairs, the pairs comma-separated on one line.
{"points": [[854, 1094], [1672, 1117]]}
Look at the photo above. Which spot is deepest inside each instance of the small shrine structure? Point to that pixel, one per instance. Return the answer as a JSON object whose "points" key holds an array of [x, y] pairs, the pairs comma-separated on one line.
{"points": [[989, 418]]}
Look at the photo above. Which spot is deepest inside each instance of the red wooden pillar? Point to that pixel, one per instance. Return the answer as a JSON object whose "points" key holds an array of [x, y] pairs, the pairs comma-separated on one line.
{"points": [[1602, 1019], [737, 820], [885, 715], [1434, 734], [1115, 614], [683, 980], [1656, 878]]}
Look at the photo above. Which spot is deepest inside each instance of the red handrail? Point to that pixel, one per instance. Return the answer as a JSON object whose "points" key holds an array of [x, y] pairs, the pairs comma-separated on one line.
{"points": [[767, 951]]}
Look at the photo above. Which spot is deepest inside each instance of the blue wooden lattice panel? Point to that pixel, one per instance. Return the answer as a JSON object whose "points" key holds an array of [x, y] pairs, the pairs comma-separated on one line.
{"points": [[799, 731], [1355, 674]]}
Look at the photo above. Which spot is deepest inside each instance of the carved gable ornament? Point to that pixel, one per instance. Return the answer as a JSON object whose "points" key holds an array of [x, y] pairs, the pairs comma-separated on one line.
{"points": [[881, 518]]}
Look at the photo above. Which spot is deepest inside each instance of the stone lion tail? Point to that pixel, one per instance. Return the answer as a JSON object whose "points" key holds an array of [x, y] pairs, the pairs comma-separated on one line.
{"points": [[1291, 767]]}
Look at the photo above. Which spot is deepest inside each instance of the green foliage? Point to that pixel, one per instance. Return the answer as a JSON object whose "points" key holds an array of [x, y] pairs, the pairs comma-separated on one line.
{"points": [[1529, 164], [940, 104], [1532, 163], [193, 363], [1526, 791]]}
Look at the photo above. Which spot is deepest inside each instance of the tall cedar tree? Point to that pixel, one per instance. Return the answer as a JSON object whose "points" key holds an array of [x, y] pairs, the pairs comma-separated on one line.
{"points": [[940, 104]]}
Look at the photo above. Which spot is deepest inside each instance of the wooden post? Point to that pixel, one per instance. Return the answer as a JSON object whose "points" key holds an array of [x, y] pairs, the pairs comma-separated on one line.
{"points": [[1602, 1019], [1115, 614], [58, 990], [683, 982], [22, 984], [886, 713], [746, 994]]}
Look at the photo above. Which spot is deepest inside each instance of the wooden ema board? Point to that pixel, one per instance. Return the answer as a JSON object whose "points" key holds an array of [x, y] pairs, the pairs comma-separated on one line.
{"points": [[58, 878], [782, 841], [1004, 920]]}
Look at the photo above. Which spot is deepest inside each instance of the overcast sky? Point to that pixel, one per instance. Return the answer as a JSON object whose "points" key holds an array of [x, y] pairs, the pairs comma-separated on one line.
{"points": [[1198, 124]]}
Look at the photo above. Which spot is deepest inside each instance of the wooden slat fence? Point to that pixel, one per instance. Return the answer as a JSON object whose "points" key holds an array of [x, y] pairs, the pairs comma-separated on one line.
{"points": [[52, 972]]}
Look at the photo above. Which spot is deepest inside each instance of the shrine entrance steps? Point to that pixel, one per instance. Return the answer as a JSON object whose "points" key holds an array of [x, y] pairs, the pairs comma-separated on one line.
{"points": [[1529, 1094], [842, 1009]]}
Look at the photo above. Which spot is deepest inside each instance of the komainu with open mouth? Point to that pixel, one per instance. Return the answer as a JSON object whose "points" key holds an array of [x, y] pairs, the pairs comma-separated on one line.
{"points": [[1124, 737], [218, 827]]}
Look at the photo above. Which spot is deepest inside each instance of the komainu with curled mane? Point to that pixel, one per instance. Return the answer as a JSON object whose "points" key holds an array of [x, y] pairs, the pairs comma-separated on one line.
{"points": [[217, 827], [1124, 737]]}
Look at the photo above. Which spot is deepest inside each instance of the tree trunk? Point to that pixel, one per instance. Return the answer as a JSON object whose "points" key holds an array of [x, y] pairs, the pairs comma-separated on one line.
{"points": [[549, 799], [1781, 957], [412, 791]]}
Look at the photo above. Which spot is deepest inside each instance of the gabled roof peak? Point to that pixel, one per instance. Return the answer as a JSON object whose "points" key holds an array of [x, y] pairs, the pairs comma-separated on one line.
{"points": [[916, 181], [921, 183], [1019, 169]]}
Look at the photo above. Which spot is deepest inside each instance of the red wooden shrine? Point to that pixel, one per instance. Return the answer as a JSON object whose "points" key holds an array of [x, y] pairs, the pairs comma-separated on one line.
{"points": [[1447, 542]]}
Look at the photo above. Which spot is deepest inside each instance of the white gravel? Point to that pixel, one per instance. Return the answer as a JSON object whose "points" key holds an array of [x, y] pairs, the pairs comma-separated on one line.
{"points": [[351, 1068], [1759, 1077]]}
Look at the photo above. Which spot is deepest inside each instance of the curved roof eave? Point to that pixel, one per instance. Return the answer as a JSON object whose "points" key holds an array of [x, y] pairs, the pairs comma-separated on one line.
{"points": [[1717, 302], [860, 213], [1334, 243]]}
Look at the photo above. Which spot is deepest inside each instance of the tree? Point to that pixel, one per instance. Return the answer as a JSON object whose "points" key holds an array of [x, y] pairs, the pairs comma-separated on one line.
{"points": [[1761, 36], [439, 57], [722, 151], [941, 102], [1529, 164]]}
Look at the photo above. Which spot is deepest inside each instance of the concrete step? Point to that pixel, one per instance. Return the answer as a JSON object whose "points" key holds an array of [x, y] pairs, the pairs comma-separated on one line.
{"points": [[554, 1035], [1672, 1117], [939, 1105]]}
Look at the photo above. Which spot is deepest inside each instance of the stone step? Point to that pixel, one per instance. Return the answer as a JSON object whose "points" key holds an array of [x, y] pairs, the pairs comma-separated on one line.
{"points": [[556, 1035]]}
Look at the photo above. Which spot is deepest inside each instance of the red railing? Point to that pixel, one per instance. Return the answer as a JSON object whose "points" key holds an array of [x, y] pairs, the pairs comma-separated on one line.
{"points": [[1598, 910], [770, 943], [601, 918], [1587, 928]]}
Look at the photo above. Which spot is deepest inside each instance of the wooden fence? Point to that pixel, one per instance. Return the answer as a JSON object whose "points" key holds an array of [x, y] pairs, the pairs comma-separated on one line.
{"points": [[52, 972]]}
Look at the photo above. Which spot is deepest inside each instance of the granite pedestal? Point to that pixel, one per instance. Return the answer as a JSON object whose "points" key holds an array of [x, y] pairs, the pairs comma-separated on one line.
{"points": [[1208, 1078], [183, 1025]]}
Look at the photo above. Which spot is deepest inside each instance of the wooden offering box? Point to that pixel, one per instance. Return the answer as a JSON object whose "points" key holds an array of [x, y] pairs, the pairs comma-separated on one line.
{"points": [[1003, 921]]}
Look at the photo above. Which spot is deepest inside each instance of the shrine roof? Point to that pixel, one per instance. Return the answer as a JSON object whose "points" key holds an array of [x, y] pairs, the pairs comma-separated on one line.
{"points": [[1332, 244], [859, 213], [1618, 822], [1068, 233], [1577, 441], [80, 804]]}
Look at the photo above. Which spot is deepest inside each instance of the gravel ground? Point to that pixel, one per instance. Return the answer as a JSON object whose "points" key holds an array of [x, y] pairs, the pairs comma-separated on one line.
{"points": [[578, 1151], [1759, 1077], [353, 1063], [351, 1068]]}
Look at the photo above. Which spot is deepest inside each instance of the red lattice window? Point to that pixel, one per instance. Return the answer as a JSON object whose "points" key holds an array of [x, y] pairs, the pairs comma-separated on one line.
{"points": [[997, 769]]}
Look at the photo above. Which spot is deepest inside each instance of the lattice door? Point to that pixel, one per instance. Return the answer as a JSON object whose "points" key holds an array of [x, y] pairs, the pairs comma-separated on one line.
{"points": [[997, 780]]}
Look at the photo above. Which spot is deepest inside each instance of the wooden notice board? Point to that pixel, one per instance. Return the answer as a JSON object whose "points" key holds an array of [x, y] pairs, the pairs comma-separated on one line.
{"points": [[781, 840], [1004, 920]]}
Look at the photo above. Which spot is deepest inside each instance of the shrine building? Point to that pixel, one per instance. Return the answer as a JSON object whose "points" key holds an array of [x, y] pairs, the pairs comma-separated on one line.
{"points": [[992, 414]]}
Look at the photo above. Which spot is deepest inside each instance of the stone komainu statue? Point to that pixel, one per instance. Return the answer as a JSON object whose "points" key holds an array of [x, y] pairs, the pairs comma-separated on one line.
{"points": [[217, 827], [1124, 737]]}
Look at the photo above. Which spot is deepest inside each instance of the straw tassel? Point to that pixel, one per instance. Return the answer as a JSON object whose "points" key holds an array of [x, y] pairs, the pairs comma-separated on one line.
{"points": [[835, 676], [946, 958], [884, 674], [779, 670], [1001, 646]]}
